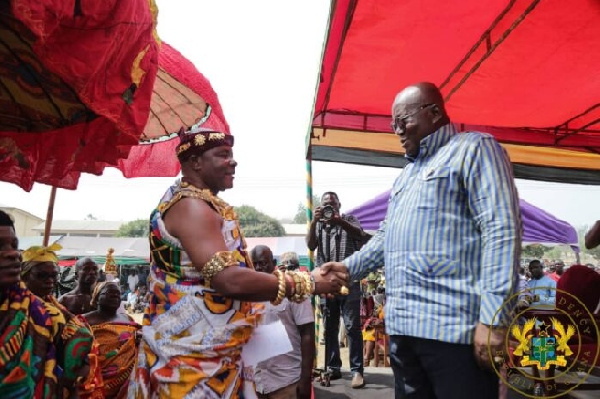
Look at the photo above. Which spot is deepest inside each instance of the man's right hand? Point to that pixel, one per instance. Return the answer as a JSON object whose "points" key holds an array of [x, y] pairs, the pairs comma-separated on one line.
{"points": [[318, 214], [330, 277]]}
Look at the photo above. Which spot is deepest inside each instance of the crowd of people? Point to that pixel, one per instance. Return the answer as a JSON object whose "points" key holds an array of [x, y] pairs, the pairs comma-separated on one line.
{"points": [[76, 346], [449, 247], [541, 281]]}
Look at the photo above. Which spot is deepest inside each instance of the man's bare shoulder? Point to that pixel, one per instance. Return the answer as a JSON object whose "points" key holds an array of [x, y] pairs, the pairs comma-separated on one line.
{"points": [[67, 296]]}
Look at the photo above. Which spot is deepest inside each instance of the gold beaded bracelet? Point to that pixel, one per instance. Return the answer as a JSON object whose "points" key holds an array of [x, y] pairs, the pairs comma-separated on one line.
{"points": [[281, 287], [303, 286], [218, 262], [309, 282], [299, 293]]}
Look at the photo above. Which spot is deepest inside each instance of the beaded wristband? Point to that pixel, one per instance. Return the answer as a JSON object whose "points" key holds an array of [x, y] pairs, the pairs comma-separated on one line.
{"points": [[281, 287], [219, 261]]}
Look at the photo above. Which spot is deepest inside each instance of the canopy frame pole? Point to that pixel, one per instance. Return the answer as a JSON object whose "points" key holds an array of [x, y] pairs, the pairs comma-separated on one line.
{"points": [[309, 205]]}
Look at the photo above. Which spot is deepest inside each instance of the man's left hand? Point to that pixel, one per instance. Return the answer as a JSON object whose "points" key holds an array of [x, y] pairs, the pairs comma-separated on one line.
{"points": [[488, 340]]}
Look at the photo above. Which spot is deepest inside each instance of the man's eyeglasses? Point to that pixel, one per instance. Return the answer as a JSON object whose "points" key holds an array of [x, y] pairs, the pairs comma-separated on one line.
{"points": [[399, 122]]}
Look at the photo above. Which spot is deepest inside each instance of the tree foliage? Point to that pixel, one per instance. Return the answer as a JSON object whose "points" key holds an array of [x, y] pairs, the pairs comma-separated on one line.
{"points": [[595, 252], [256, 224], [555, 253], [301, 216], [535, 251], [135, 228]]}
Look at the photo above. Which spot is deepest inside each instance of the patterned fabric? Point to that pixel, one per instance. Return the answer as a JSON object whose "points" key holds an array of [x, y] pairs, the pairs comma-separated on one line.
{"points": [[450, 241], [78, 351], [117, 356], [368, 332], [29, 329], [192, 336]]}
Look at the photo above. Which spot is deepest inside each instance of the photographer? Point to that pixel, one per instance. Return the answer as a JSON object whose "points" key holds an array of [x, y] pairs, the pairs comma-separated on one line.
{"points": [[335, 237]]}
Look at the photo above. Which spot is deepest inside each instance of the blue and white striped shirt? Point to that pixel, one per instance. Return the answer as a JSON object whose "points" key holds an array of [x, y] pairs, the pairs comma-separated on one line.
{"points": [[450, 241]]}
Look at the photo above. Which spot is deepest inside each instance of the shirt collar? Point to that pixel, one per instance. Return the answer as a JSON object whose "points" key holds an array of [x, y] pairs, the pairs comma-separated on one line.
{"points": [[430, 144]]}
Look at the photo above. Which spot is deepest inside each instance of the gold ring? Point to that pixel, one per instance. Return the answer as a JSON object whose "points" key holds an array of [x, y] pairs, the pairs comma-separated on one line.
{"points": [[344, 290]]}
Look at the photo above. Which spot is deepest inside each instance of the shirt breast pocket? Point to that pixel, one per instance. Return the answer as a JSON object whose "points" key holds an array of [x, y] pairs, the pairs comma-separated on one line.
{"points": [[434, 185], [432, 265]]}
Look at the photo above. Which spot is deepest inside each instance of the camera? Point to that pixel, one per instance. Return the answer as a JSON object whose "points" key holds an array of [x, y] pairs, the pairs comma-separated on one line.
{"points": [[328, 212]]}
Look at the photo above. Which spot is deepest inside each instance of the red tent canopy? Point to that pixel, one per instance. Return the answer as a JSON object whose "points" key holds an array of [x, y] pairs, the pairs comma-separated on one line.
{"points": [[523, 70]]}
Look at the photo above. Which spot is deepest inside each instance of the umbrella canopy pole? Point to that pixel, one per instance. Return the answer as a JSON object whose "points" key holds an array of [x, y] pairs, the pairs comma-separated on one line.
{"points": [[311, 265], [49, 216], [309, 205]]}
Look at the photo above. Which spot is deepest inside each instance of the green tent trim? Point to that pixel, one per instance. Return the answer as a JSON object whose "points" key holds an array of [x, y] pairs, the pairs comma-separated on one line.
{"points": [[119, 260]]}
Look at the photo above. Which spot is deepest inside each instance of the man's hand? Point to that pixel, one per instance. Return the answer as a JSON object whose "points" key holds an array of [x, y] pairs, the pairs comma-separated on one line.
{"points": [[318, 214], [303, 390], [332, 267], [488, 340], [330, 278]]}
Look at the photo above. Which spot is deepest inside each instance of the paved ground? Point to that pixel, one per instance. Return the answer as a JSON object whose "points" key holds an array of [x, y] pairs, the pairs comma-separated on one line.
{"points": [[379, 384], [379, 381]]}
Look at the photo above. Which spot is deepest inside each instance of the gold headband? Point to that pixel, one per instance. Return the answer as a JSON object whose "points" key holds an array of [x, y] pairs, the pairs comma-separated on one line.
{"points": [[202, 141]]}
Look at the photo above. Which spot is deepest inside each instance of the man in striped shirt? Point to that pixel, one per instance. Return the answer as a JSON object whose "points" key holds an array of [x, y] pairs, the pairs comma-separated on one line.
{"points": [[450, 243]]}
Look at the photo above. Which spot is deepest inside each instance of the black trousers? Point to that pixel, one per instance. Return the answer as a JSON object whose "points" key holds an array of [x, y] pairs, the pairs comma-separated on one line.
{"points": [[428, 369], [349, 308]]}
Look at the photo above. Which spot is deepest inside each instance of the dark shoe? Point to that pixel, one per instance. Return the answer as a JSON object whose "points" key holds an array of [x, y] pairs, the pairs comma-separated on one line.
{"points": [[357, 381], [538, 390], [335, 375]]}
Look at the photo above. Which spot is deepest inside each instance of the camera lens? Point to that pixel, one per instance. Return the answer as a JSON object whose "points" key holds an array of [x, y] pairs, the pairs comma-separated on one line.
{"points": [[327, 212]]}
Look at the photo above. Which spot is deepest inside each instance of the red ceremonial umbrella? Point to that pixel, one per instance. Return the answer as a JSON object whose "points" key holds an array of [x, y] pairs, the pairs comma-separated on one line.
{"points": [[71, 99], [182, 96]]}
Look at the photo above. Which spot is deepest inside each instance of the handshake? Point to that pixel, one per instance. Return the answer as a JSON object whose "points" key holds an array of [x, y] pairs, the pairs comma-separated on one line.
{"points": [[331, 278]]}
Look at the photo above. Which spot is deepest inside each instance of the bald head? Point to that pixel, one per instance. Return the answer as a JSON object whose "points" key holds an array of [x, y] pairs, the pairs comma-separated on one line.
{"points": [[262, 258], [417, 112], [86, 271], [421, 93]]}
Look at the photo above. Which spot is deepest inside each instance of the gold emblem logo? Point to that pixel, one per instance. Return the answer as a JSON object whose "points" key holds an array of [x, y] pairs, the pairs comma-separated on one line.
{"points": [[547, 349]]}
